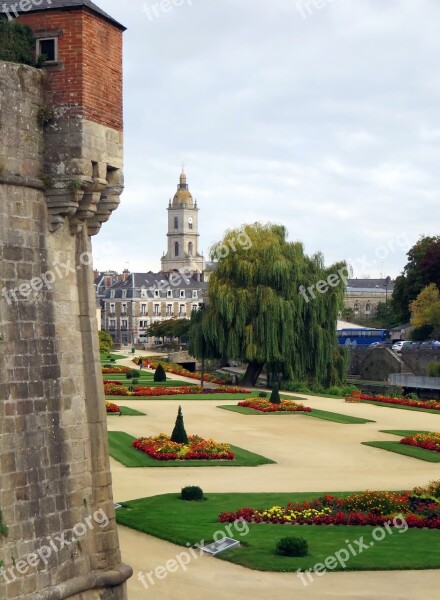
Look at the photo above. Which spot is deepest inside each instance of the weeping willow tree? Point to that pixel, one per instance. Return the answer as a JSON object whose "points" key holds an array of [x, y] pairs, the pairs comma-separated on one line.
{"points": [[257, 314]]}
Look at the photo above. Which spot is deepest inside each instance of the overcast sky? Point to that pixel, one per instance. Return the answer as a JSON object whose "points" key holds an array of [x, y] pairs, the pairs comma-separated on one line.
{"points": [[326, 121]]}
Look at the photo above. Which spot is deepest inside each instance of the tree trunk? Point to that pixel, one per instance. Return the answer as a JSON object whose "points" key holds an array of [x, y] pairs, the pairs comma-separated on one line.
{"points": [[253, 371]]}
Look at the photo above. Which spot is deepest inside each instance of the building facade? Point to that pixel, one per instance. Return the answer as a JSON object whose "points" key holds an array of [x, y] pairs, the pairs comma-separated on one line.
{"points": [[131, 306], [363, 296]]}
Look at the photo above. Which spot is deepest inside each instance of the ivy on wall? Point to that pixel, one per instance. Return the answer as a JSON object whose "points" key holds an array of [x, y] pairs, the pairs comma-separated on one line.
{"points": [[17, 43]]}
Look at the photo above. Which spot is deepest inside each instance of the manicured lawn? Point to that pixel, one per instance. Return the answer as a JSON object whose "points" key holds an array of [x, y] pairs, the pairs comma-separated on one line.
{"points": [[121, 450], [412, 451], [402, 432], [386, 405], [127, 412], [169, 518], [317, 414], [106, 358]]}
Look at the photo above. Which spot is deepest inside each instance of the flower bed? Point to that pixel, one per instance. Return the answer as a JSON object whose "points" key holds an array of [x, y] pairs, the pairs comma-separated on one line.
{"points": [[112, 408], [178, 370], [368, 508], [265, 406], [162, 448], [426, 404], [115, 370], [111, 389], [427, 441]]}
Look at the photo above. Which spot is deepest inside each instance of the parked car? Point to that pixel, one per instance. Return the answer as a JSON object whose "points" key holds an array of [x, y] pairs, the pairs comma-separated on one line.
{"points": [[415, 345], [397, 347], [430, 344]]}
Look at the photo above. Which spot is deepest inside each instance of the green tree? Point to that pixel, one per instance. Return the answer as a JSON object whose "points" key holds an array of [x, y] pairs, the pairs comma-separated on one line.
{"points": [[422, 268], [159, 374], [385, 317], [257, 312], [179, 434], [105, 342]]}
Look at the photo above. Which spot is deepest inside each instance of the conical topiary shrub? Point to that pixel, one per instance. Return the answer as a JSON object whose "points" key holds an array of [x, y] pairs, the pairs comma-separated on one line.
{"points": [[275, 396], [160, 374], [179, 434]]}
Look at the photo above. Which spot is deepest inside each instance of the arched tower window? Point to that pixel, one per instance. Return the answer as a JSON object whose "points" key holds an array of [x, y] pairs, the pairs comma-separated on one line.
{"points": [[176, 249], [190, 223], [176, 222], [356, 310], [368, 310], [190, 249]]}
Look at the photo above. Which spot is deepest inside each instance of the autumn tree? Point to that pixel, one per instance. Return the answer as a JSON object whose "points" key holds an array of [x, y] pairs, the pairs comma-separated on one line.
{"points": [[257, 314], [426, 307]]}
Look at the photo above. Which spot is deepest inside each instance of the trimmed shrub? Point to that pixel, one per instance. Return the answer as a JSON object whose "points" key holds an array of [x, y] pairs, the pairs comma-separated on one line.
{"points": [[113, 360], [434, 369], [179, 434], [275, 395], [136, 373], [160, 374], [262, 395], [107, 366], [135, 381], [129, 374], [292, 546], [192, 493]]}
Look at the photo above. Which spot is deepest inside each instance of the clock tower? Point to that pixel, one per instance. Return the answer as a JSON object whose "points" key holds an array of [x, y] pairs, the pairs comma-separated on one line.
{"points": [[183, 232]]}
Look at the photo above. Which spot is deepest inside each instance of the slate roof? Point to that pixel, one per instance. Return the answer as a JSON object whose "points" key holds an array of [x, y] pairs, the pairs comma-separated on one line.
{"points": [[153, 281], [370, 285], [58, 5]]}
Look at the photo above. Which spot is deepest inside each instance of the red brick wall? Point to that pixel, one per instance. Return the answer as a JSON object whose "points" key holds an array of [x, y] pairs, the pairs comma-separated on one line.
{"points": [[89, 81]]}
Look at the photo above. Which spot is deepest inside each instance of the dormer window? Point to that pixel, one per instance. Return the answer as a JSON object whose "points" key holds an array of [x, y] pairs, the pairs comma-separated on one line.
{"points": [[47, 48]]}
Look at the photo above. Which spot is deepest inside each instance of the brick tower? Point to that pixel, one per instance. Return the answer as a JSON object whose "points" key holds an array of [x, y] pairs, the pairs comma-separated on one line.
{"points": [[61, 159]]}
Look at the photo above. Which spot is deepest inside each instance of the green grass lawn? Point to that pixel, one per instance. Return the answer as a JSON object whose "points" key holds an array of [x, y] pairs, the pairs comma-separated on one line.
{"points": [[317, 414], [413, 452], [105, 358], [387, 405], [127, 412], [121, 450], [169, 518], [402, 432]]}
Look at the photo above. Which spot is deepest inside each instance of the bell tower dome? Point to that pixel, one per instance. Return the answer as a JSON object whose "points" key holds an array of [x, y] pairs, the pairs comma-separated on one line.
{"points": [[183, 232]]}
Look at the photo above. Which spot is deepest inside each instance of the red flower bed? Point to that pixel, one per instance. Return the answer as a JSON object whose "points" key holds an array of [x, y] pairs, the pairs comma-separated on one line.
{"points": [[426, 404], [110, 382], [112, 408], [368, 508], [263, 405], [162, 448], [115, 370], [111, 389], [427, 441]]}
